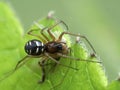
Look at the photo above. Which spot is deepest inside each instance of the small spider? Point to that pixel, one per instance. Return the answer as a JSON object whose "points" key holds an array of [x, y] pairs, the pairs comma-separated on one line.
{"points": [[53, 50]]}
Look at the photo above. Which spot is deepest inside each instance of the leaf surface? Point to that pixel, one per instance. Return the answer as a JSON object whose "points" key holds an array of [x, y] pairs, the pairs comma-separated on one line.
{"points": [[90, 76]]}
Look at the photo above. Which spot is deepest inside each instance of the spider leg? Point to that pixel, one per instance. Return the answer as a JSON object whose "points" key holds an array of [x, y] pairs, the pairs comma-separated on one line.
{"points": [[63, 33], [61, 79], [31, 33], [50, 28], [78, 59], [63, 76], [18, 65], [46, 54], [41, 32], [42, 64], [21, 62], [52, 69]]}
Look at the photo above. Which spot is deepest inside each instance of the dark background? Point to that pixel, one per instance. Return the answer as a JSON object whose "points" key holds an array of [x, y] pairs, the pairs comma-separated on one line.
{"points": [[99, 20]]}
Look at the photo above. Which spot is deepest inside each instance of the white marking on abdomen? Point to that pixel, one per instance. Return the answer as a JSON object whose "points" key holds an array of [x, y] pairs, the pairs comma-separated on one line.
{"points": [[37, 50], [30, 43], [42, 44], [30, 51], [37, 43]]}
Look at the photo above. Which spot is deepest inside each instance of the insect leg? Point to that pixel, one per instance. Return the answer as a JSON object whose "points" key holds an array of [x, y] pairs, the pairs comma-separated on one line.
{"points": [[63, 33]]}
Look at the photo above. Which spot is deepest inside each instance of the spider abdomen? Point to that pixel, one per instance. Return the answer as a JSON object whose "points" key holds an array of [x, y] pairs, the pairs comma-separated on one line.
{"points": [[34, 47]]}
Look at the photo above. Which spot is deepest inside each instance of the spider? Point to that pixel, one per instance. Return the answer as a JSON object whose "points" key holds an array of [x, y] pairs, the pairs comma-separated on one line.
{"points": [[53, 50]]}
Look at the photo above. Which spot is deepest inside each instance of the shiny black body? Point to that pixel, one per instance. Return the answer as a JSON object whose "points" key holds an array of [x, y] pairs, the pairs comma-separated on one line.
{"points": [[36, 47]]}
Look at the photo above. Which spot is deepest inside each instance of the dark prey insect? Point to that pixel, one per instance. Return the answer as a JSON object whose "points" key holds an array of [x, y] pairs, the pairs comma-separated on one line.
{"points": [[53, 50]]}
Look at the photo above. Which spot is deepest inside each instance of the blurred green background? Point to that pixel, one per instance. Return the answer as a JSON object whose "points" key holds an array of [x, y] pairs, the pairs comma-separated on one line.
{"points": [[99, 20]]}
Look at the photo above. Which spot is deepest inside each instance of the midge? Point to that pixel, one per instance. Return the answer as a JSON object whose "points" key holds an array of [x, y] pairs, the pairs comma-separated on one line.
{"points": [[48, 49]]}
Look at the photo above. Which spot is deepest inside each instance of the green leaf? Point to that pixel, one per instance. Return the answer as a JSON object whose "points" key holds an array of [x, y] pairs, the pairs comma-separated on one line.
{"points": [[90, 76], [115, 85]]}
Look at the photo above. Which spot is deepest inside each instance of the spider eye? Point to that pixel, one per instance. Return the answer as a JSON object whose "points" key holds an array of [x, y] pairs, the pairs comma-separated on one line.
{"points": [[59, 47], [34, 47]]}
